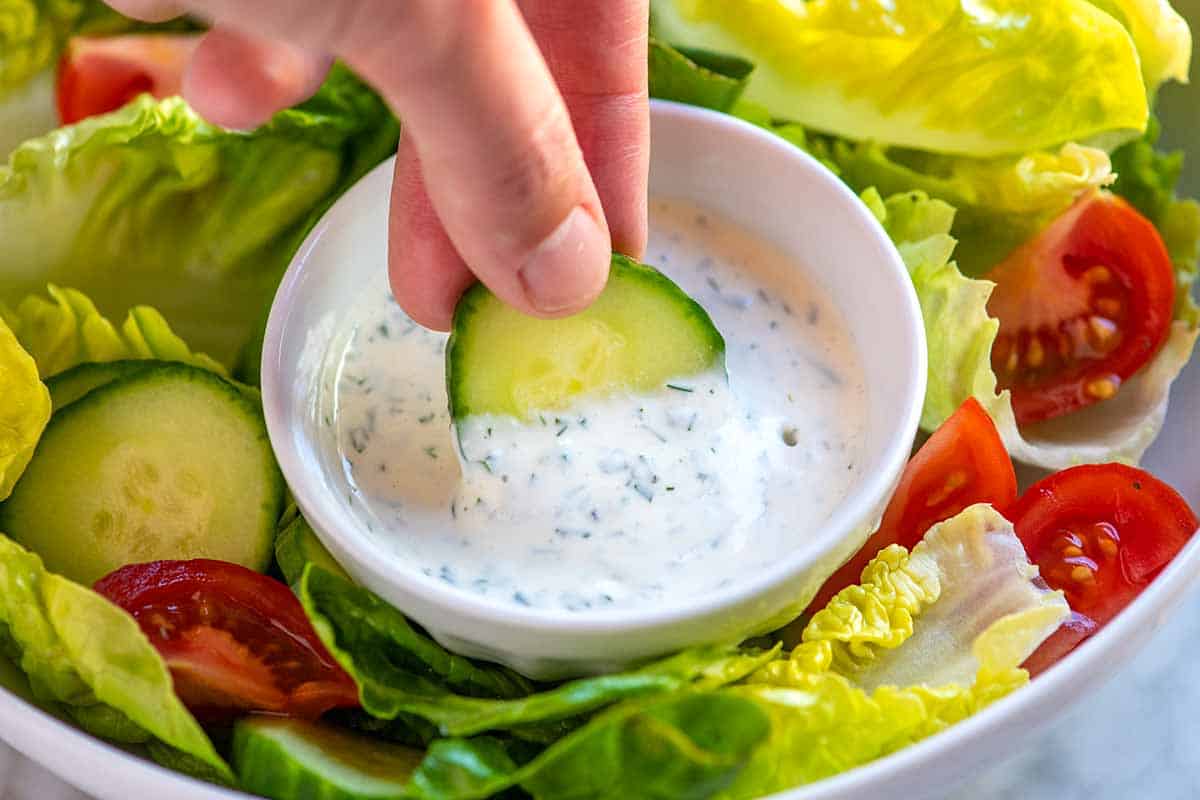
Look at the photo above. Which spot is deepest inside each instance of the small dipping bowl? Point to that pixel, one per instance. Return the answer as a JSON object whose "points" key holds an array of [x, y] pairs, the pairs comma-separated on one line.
{"points": [[754, 179]]}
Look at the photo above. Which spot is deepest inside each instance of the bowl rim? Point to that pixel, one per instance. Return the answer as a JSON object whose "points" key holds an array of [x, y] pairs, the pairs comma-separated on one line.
{"points": [[367, 556]]}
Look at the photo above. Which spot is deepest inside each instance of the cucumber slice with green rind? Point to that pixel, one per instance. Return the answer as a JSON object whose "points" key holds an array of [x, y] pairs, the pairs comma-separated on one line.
{"points": [[170, 462], [68, 386], [641, 333], [287, 759]]}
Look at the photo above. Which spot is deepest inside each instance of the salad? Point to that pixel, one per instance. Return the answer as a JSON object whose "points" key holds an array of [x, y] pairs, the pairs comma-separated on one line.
{"points": [[159, 589]]}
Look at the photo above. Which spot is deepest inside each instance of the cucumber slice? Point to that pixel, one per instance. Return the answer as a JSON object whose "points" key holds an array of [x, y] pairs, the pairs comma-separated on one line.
{"points": [[297, 545], [642, 332], [170, 462], [67, 387], [288, 759]]}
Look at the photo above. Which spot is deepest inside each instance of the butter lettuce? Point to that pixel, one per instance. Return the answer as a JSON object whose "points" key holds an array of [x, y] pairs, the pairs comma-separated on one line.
{"points": [[960, 335], [965, 598], [1001, 203], [929, 638], [152, 206], [687, 745], [65, 328], [982, 78], [87, 658], [1162, 37], [402, 672], [24, 412]]}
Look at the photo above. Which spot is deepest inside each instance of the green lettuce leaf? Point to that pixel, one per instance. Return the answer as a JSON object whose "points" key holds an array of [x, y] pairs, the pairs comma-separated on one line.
{"points": [[960, 334], [88, 658], [24, 411], [400, 671], [66, 329], [922, 618], [984, 78], [689, 745], [1161, 35], [33, 33], [929, 638], [1001, 203], [1148, 178], [152, 206], [696, 77], [296, 544]]}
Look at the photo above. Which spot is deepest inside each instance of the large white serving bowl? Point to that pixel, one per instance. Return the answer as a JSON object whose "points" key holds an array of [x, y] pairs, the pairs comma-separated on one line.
{"points": [[733, 169], [928, 770]]}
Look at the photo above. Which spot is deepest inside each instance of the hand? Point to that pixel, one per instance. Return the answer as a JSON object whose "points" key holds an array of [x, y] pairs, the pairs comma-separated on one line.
{"points": [[491, 179]]}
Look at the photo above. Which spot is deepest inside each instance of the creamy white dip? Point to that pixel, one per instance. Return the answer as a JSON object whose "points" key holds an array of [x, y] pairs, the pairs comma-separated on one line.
{"points": [[622, 501]]}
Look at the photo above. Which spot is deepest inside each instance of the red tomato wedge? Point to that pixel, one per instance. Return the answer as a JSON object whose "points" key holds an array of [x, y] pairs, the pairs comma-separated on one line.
{"points": [[1082, 308], [100, 74], [1101, 533], [963, 463], [234, 640]]}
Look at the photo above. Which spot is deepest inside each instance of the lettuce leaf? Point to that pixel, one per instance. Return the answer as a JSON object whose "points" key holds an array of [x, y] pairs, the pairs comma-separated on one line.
{"points": [[929, 638], [696, 77], [86, 657], [400, 671], [923, 618], [960, 335], [1001, 203], [984, 78], [151, 206], [1162, 37], [65, 329], [688, 745]]}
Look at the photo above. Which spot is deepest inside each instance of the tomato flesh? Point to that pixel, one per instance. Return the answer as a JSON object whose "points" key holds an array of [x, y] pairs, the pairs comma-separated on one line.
{"points": [[1081, 308], [963, 463], [97, 75], [1100, 533], [234, 640]]}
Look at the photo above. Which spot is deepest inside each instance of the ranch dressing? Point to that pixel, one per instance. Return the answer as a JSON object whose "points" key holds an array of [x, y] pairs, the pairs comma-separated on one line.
{"points": [[628, 501]]}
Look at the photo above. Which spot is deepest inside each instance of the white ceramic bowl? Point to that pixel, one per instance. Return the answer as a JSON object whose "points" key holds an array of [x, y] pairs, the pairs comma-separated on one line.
{"points": [[732, 168]]}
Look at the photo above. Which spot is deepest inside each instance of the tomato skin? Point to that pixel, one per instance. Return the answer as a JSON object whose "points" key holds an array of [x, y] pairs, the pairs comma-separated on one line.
{"points": [[234, 640], [1082, 307], [97, 75], [963, 463], [1101, 533]]}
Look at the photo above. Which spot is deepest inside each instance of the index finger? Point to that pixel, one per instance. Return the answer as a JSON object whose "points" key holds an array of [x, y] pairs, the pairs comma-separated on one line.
{"points": [[503, 168]]}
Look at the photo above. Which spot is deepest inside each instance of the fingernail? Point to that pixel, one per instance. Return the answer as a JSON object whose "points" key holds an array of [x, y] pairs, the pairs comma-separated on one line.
{"points": [[561, 273]]}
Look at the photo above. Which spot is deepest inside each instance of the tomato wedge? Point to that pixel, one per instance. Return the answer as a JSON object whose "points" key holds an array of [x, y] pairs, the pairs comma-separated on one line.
{"points": [[1101, 533], [1082, 308], [963, 463], [234, 640], [100, 74]]}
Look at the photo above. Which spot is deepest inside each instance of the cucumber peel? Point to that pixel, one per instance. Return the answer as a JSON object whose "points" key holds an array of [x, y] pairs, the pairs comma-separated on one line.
{"points": [[289, 759], [168, 462], [641, 333]]}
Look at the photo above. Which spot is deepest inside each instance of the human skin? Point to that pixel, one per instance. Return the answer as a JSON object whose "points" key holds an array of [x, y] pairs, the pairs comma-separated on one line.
{"points": [[524, 154]]}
